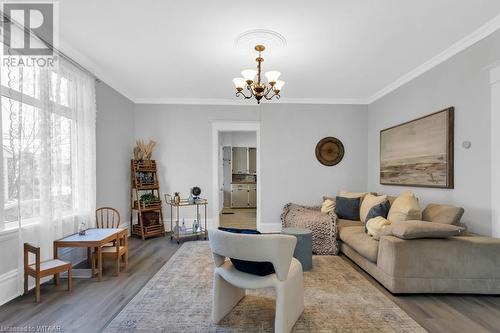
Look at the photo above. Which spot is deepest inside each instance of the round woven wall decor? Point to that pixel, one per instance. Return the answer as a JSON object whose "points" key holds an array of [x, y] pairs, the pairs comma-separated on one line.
{"points": [[329, 151]]}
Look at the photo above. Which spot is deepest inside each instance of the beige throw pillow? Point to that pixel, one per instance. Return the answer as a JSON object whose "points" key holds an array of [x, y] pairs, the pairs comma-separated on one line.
{"points": [[424, 229], [446, 214], [369, 202], [353, 195], [404, 208], [376, 225], [327, 206]]}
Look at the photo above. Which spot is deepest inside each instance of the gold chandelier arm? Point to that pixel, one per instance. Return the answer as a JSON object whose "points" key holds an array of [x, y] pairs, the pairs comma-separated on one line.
{"points": [[269, 96], [240, 93]]}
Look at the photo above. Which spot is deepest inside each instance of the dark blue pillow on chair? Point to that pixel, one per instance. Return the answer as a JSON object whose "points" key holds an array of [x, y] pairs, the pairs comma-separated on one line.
{"points": [[260, 268], [347, 208], [381, 209]]}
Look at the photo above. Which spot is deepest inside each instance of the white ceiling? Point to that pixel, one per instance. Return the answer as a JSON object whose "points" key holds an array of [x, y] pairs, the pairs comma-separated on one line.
{"points": [[152, 50]]}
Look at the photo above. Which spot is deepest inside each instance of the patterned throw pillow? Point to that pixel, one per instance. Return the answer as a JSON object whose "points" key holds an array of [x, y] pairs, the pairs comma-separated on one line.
{"points": [[347, 208], [380, 210]]}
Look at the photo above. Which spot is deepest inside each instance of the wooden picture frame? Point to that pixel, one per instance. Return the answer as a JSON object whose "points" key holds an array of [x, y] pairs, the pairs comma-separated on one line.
{"points": [[420, 152]]}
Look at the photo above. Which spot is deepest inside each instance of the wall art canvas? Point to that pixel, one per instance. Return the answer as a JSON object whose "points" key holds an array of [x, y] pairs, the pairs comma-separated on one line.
{"points": [[419, 152]]}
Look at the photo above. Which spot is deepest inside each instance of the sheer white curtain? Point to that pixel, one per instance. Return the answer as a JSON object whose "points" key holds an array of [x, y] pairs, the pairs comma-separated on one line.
{"points": [[48, 131]]}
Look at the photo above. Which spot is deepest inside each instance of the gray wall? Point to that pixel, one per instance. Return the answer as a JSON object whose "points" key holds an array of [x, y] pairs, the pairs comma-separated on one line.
{"points": [[114, 141], [462, 82], [290, 171], [289, 133], [184, 143]]}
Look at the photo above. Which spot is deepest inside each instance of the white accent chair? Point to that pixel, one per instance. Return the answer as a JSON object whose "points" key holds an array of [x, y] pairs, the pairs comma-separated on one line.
{"points": [[230, 284]]}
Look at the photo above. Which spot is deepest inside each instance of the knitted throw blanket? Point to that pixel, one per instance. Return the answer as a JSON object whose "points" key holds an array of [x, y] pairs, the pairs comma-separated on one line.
{"points": [[323, 226]]}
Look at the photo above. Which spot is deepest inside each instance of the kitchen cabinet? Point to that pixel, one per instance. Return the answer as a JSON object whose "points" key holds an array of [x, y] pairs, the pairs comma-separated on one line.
{"points": [[252, 160], [243, 195], [252, 196], [240, 160], [239, 196]]}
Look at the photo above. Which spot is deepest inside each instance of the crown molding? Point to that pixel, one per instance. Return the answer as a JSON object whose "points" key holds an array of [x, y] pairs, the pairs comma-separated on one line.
{"points": [[222, 101], [93, 67], [466, 42], [194, 101]]}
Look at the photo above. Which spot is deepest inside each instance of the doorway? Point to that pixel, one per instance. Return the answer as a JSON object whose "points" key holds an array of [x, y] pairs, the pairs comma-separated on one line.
{"points": [[236, 165]]}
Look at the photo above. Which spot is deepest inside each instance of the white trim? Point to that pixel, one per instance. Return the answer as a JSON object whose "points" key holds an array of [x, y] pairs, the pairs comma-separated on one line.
{"points": [[240, 102], [481, 33], [267, 228], [232, 126], [495, 154], [495, 75], [8, 286]]}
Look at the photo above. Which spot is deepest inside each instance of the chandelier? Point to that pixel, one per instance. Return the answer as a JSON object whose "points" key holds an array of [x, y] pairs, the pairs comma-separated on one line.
{"points": [[251, 81]]}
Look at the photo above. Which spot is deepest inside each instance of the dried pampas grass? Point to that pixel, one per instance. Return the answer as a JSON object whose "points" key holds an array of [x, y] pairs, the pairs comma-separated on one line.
{"points": [[143, 151]]}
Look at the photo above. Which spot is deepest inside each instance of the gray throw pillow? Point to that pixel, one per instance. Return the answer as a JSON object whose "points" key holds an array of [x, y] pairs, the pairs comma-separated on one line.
{"points": [[422, 229], [381, 209], [347, 208]]}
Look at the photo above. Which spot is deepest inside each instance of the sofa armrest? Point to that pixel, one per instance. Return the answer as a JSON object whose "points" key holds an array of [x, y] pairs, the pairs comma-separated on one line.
{"points": [[465, 257]]}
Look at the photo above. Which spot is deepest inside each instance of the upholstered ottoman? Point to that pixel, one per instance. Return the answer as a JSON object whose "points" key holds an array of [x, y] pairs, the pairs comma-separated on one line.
{"points": [[303, 249]]}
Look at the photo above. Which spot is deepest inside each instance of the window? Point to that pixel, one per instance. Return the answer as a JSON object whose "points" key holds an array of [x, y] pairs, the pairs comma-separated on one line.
{"points": [[32, 133], [48, 145]]}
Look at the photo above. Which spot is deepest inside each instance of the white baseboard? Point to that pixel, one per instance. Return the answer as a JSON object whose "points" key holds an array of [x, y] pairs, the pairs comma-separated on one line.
{"points": [[268, 228], [8, 286]]}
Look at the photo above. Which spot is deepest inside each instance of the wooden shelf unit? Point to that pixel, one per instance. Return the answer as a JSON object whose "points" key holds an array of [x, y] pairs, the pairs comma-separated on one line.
{"points": [[144, 179]]}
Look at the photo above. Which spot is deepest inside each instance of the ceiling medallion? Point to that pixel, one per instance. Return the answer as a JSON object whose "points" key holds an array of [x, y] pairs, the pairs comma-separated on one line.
{"points": [[252, 81]]}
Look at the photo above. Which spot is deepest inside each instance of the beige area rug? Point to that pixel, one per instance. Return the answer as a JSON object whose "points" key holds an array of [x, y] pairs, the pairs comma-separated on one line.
{"points": [[337, 299]]}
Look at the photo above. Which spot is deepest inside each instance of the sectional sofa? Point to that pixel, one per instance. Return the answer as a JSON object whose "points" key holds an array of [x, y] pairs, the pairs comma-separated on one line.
{"points": [[467, 263]]}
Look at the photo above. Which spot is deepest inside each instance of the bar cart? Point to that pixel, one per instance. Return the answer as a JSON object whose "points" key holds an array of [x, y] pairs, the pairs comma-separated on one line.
{"points": [[176, 232]]}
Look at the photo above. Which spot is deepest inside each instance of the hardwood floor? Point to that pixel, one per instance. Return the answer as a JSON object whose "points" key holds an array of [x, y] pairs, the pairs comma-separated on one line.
{"points": [[446, 313], [93, 304], [241, 218]]}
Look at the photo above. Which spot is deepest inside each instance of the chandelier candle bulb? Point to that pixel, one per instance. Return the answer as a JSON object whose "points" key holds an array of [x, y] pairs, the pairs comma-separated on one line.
{"points": [[278, 85], [239, 83], [256, 88], [249, 75], [272, 76]]}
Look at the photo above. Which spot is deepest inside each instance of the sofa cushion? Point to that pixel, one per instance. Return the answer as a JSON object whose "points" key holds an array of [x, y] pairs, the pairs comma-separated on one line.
{"points": [[423, 229], [368, 203], [404, 208], [360, 241], [347, 208], [446, 214]]}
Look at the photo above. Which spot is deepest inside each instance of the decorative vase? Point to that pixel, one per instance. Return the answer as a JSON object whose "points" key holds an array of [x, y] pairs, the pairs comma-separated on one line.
{"points": [[177, 198]]}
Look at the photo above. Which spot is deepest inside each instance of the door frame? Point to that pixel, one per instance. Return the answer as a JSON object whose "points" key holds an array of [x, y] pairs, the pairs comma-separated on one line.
{"points": [[232, 126], [495, 140]]}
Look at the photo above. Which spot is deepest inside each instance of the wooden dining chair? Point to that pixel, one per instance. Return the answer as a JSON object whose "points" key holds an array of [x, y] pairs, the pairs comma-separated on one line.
{"points": [[41, 269], [117, 252], [107, 217]]}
